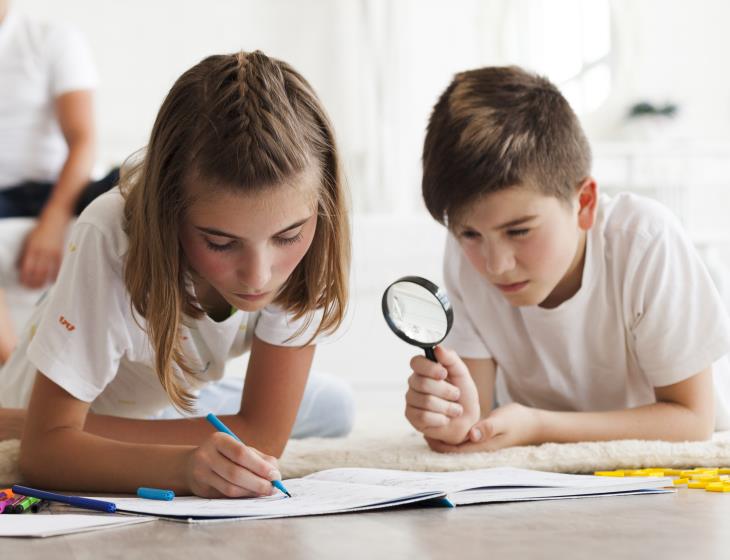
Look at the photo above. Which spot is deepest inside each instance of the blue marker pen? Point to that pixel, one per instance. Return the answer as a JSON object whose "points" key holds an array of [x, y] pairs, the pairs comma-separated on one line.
{"points": [[221, 427], [155, 494]]}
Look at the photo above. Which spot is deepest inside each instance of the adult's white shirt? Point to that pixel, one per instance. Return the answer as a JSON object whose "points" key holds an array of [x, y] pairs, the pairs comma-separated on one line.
{"points": [[647, 315], [39, 62]]}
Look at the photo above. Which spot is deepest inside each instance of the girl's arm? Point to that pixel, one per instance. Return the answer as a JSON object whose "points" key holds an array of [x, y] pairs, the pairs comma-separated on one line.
{"points": [[275, 382], [56, 452]]}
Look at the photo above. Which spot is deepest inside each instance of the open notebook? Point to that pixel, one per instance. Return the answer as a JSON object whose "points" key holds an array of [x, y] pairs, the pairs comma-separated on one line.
{"points": [[352, 490]]}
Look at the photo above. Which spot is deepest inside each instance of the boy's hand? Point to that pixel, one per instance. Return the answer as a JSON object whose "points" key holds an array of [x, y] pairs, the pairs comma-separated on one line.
{"points": [[224, 467], [507, 426], [442, 400]]}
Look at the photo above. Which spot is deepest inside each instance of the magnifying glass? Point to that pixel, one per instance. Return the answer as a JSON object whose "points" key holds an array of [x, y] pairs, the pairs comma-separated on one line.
{"points": [[418, 311]]}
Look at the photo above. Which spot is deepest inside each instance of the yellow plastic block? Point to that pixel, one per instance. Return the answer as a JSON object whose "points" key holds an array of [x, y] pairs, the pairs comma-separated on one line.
{"points": [[687, 473], [707, 470], [679, 481], [697, 484], [717, 487], [723, 471], [609, 473], [705, 477], [672, 472]]}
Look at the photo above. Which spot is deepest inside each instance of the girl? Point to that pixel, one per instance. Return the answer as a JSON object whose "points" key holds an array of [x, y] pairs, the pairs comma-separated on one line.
{"points": [[231, 234]]}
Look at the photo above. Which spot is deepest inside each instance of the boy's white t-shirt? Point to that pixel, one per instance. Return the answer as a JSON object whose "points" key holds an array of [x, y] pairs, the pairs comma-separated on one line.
{"points": [[39, 62], [647, 315], [84, 337]]}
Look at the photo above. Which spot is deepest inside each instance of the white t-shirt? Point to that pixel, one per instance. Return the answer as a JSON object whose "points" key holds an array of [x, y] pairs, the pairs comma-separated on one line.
{"points": [[83, 335], [38, 63], [646, 315]]}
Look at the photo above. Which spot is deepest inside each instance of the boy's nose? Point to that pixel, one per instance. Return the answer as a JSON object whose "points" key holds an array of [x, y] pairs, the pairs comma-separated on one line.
{"points": [[497, 261]]}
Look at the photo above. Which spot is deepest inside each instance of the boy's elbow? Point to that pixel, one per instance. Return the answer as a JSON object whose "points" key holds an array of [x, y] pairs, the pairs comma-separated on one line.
{"points": [[701, 429]]}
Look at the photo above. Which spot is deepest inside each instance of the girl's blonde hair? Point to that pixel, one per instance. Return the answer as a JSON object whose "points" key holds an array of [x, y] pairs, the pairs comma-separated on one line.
{"points": [[243, 122]]}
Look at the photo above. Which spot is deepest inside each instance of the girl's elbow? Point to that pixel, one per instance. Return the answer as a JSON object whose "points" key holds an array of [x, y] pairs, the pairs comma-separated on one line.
{"points": [[30, 465]]}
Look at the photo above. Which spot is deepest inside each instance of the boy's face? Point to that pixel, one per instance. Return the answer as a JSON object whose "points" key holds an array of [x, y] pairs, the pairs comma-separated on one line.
{"points": [[529, 245]]}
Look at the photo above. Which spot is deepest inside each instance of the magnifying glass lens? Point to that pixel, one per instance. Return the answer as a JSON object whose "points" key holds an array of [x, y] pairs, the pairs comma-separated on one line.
{"points": [[418, 312]]}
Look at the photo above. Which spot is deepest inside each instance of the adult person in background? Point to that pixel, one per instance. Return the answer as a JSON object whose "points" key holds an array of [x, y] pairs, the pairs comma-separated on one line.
{"points": [[47, 143]]}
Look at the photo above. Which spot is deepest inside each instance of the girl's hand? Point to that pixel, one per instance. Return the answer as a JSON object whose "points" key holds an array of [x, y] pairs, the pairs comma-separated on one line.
{"points": [[507, 426], [442, 401], [225, 468], [11, 423]]}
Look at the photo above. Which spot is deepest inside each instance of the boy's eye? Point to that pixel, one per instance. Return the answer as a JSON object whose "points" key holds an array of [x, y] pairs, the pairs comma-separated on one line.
{"points": [[219, 246], [469, 234], [518, 232], [288, 240]]}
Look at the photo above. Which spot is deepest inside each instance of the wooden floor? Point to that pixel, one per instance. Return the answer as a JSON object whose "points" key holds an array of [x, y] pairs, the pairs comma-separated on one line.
{"points": [[688, 525]]}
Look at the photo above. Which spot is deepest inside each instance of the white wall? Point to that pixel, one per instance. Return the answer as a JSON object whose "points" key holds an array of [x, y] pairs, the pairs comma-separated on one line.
{"points": [[379, 65]]}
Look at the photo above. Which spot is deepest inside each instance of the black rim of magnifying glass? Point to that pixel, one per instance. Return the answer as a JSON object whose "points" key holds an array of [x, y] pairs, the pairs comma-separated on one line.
{"points": [[440, 296]]}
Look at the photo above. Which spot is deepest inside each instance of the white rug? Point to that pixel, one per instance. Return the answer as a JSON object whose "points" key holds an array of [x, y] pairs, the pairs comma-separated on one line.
{"points": [[409, 452]]}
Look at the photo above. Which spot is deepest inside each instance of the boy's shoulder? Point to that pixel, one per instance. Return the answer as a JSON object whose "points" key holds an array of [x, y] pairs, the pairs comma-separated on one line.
{"points": [[634, 218]]}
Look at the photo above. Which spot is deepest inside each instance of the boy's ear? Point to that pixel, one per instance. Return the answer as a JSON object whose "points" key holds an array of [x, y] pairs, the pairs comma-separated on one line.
{"points": [[587, 203]]}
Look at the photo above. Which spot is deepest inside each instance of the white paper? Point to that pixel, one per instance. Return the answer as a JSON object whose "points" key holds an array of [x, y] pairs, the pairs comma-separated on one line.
{"points": [[50, 525], [496, 484], [309, 497]]}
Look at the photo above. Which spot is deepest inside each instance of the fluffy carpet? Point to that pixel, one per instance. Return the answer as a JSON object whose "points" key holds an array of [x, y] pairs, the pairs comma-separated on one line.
{"points": [[409, 452]]}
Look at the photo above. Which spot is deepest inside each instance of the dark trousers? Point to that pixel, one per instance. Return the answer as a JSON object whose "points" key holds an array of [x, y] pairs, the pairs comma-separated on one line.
{"points": [[27, 200]]}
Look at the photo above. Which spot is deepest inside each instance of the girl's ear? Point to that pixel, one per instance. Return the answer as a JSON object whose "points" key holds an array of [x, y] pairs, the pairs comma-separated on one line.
{"points": [[587, 203]]}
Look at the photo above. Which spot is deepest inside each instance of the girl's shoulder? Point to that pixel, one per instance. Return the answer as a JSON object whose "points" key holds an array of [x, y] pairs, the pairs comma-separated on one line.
{"points": [[105, 215]]}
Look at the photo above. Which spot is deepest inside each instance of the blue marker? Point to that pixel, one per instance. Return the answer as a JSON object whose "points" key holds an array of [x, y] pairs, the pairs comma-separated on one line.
{"points": [[85, 503], [155, 494], [221, 427]]}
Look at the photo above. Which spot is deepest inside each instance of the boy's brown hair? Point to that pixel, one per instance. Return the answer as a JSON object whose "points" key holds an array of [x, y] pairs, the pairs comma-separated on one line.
{"points": [[498, 127]]}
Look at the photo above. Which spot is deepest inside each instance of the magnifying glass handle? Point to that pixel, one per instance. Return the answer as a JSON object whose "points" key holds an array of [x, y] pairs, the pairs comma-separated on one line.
{"points": [[430, 354]]}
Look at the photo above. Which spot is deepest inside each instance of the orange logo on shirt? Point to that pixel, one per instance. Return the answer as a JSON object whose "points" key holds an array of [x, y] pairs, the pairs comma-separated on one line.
{"points": [[69, 326]]}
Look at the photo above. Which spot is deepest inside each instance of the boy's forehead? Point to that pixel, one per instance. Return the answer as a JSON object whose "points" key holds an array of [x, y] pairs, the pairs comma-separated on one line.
{"points": [[496, 209]]}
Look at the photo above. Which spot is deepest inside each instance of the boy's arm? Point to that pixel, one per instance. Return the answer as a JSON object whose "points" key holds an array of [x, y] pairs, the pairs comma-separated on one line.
{"points": [[484, 373], [275, 382], [684, 411]]}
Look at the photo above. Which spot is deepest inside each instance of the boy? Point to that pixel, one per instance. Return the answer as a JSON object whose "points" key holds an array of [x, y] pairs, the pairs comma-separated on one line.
{"points": [[583, 317]]}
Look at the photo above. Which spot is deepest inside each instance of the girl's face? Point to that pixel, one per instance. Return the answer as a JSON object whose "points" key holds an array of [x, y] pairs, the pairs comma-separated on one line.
{"points": [[243, 247], [528, 245]]}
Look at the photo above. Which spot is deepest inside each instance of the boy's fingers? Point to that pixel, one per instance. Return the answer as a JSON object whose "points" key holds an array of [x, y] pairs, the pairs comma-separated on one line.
{"points": [[442, 389], [432, 403], [423, 366], [483, 430], [423, 419], [451, 361]]}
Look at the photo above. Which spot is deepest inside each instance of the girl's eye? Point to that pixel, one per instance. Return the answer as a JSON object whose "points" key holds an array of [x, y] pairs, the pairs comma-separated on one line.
{"points": [[218, 247], [518, 232], [288, 240]]}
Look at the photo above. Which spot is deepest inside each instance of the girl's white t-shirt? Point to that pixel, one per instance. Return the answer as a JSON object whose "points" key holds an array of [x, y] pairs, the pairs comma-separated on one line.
{"points": [[84, 336], [39, 62], [647, 315]]}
